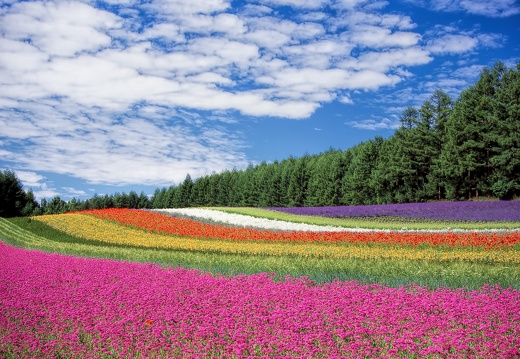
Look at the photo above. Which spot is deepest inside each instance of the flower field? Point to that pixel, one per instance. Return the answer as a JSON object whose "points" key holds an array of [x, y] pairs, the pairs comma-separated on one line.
{"points": [[215, 283], [461, 211], [62, 306], [94, 227]]}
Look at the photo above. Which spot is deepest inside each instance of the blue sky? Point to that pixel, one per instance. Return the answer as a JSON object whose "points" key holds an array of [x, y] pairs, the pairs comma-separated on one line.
{"points": [[119, 95]]}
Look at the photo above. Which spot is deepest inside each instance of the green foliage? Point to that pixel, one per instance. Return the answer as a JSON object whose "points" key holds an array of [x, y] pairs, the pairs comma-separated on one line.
{"points": [[298, 182], [482, 137], [14, 201]]}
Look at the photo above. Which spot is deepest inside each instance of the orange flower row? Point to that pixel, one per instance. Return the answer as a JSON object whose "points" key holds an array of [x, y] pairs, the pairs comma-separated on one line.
{"points": [[158, 222]]}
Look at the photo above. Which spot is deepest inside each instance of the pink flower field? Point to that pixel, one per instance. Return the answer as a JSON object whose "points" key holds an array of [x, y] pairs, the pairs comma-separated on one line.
{"points": [[57, 306]]}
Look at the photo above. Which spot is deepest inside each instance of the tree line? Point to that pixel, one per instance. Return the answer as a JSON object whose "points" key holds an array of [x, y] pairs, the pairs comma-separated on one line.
{"points": [[14, 201], [444, 150]]}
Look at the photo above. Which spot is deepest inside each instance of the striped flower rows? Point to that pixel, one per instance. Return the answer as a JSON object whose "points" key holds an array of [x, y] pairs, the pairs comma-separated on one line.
{"points": [[191, 228], [232, 218], [94, 226]]}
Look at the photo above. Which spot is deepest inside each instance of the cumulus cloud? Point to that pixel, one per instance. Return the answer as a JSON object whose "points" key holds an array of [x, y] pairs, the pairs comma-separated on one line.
{"points": [[97, 93], [452, 44], [40, 186], [495, 8], [305, 4], [62, 28], [375, 124], [450, 40]]}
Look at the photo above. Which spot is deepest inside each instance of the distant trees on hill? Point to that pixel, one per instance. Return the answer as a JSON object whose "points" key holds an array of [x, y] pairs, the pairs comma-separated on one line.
{"points": [[15, 201], [445, 149]]}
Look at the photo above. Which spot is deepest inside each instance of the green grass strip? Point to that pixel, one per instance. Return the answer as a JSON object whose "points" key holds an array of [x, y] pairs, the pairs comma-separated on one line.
{"points": [[388, 272], [370, 223], [51, 234]]}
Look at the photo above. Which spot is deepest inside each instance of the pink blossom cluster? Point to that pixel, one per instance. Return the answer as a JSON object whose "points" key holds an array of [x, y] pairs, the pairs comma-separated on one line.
{"points": [[54, 305]]}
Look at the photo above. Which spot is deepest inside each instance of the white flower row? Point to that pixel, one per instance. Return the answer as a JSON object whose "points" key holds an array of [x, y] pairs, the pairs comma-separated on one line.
{"points": [[241, 220]]}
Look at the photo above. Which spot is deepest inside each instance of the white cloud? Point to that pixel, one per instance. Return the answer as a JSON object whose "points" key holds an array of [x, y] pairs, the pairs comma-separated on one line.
{"points": [[385, 60], [256, 10], [270, 39], [108, 98], [345, 99], [494, 8], [30, 179], [180, 8], [370, 79], [451, 86], [73, 192], [349, 4], [170, 32], [296, 31], [46, 192], [38, 184], [128, 150], [77, 27], [491, 40], [353, 19], [378, 37], [228, 24], [379, 124], [313, 16], [468, 72], [305, 4], [452, 44], [228, 52]]}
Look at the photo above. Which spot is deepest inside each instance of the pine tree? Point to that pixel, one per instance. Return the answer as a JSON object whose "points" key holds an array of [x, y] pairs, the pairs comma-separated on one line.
{"points": [[298, 182], [505, 157]]}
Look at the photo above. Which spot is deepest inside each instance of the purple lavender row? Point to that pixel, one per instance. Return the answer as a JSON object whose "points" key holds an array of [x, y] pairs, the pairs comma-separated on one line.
{"points": [[459, 211], [55, 305]]}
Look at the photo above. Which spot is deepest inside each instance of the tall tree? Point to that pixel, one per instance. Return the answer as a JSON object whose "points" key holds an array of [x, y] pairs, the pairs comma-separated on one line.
{"points": [[357, 187], [183, 194], [298, 182], [505, 158], [31, 207], [247, 187], [471, 139], [159, 198], [410, 117], [13, 199], [434, 115], [55, 206]]}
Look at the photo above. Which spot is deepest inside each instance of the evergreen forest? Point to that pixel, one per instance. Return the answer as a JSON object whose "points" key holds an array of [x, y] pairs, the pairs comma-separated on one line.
{"points": [[447, 149]]}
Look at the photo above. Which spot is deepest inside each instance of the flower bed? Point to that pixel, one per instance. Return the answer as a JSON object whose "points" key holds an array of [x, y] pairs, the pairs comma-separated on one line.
{"points": [[62, 306], [191, 228], [461, 211]]}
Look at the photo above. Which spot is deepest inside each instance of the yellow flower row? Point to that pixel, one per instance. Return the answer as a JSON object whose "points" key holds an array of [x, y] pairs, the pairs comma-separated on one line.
{"points": [[93, 228]]}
